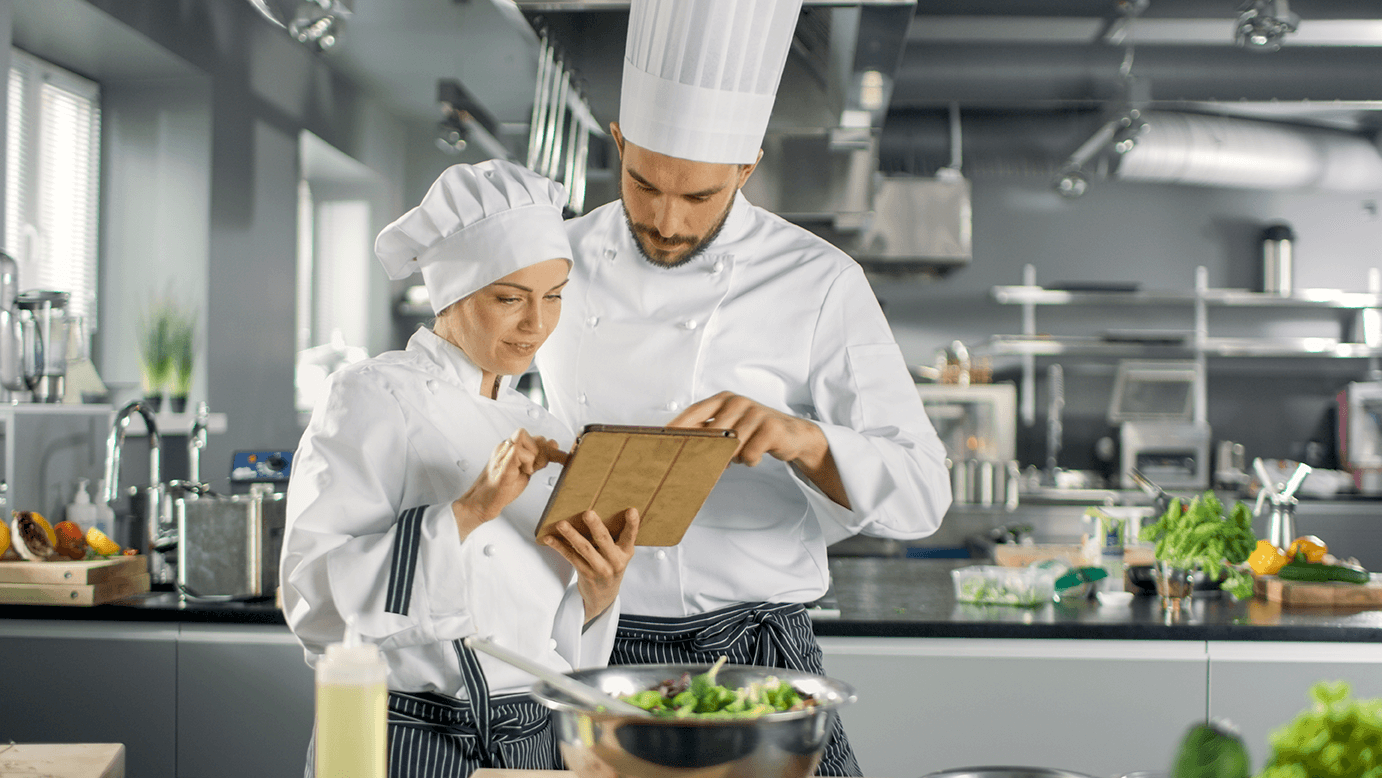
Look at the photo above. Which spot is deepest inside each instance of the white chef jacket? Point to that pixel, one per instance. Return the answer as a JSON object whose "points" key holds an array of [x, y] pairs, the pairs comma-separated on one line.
{"points": [[771, 312], [408, 429]]}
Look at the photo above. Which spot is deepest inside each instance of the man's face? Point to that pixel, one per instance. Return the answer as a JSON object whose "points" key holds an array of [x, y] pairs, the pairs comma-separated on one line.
{"points": [[675, 207]]}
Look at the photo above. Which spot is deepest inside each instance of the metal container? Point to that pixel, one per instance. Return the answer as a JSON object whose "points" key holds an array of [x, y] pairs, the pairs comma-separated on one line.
{"points": [[229, 545], [1277, 260], [779, 745]]}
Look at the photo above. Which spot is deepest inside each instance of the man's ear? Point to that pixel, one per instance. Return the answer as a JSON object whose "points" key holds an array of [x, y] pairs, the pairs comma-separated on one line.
{"points": [[747, 170], [619, 138]]}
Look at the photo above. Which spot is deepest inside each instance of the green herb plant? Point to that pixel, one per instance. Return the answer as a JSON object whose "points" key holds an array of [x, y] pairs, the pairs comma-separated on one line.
{"points": [[1200, 536], [1336, 737], [701, 697]]}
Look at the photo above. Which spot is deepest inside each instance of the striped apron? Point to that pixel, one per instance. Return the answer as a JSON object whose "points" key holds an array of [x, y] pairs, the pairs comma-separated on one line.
{"points": [[763, 634], [432, 735]]}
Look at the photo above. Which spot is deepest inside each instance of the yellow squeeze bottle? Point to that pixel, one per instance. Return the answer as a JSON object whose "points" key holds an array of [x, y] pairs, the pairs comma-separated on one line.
{"points": [[352, 693]]}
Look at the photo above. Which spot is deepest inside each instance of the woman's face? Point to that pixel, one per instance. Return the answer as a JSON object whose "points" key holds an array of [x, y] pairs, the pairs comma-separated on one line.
{"points": [[501, 326]]}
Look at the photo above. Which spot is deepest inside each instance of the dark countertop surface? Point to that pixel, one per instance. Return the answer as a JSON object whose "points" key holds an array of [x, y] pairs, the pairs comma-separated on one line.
{"points": [[897, 597]]}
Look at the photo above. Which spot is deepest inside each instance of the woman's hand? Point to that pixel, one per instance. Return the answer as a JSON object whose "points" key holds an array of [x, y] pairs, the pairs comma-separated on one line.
{"points": [[599, 560], [505, 476]]}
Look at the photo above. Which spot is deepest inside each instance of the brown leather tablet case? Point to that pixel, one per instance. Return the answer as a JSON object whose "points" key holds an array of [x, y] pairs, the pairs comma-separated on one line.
{"points": [[666, 473]]}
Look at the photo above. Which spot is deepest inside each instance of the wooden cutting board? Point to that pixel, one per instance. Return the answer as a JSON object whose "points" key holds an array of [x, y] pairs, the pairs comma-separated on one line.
{"points": [[63, 760], [91, 571], [89, 582], [1331, 594], [73, 594]]}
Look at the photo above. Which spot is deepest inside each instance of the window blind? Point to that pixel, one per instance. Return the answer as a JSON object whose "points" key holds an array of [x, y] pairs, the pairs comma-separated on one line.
{"points": [[53, 180]]}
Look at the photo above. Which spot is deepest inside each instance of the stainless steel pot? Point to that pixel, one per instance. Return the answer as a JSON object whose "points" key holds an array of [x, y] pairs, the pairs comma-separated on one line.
{"points": [[229, 544], [599, 744]]}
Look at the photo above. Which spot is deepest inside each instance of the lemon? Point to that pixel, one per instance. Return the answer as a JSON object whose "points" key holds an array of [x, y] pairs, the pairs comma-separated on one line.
{"points": [[102, 544], [4, 539]]}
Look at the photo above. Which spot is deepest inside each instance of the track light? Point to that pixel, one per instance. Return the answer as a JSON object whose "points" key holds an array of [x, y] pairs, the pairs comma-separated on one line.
{"points": [[316, 24], [1264, 24]]}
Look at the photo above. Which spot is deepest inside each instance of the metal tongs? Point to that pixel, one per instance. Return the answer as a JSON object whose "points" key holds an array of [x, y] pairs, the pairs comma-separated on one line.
{"points": [[1281, 528], [595, 699], [1160, 499]]}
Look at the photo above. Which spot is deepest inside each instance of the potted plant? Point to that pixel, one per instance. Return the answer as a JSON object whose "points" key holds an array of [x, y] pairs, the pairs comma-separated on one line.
{"points": [[181, 355], [1198, 539], [155, 361]]}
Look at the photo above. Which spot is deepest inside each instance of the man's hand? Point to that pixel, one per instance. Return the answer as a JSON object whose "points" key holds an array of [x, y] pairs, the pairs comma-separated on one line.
{"points": [[505, 477], [599, 560], [763, 430]]}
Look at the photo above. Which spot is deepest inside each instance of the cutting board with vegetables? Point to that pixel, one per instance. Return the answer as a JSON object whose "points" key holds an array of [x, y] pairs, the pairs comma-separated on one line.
{"points": [[86, 582], [1320, 594]]}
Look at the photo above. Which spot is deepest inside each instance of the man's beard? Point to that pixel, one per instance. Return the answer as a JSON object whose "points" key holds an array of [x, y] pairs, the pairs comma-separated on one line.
{"points": [[698, 247]]}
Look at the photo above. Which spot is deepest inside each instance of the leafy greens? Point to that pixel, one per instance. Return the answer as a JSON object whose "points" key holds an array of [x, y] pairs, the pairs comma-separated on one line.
{"points": [[1200, 536], [701, 697]]}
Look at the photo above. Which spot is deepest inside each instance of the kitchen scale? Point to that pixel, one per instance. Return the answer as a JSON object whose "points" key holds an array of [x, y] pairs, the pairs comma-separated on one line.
{"points": [[1153, 403]]}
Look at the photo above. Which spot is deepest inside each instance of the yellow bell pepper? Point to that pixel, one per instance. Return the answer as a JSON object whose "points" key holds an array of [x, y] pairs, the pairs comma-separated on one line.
{"points": [[1312, 547], [1267, 559]]}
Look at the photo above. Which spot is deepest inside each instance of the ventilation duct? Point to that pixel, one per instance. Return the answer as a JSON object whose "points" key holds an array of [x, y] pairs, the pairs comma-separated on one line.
{"points": [[1206, 150]]}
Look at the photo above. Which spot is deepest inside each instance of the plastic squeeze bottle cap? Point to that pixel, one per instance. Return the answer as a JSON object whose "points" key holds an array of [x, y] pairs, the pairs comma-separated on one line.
{"points": [[352, 661], [81, 497]]}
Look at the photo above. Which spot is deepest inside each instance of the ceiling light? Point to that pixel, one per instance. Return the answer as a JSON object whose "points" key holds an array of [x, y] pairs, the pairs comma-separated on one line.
{"points": [[1264, 24]]}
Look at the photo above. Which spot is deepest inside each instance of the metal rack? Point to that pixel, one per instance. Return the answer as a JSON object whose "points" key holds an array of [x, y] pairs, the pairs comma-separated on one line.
{"points": [[1195, 343]]}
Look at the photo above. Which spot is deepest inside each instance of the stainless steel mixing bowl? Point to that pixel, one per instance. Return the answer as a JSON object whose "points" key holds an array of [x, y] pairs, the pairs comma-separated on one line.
{"points": [[778, 745]]}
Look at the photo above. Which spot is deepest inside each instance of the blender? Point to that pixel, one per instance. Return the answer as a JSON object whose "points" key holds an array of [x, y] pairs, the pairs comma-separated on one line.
{"points": [[43, 332]]}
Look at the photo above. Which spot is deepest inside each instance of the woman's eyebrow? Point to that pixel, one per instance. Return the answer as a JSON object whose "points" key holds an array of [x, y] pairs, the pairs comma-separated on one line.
{"points": [[524, 288]]}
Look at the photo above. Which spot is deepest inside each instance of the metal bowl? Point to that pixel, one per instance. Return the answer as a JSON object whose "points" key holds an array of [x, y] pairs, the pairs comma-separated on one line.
{"points": [[779, 745], [1006, 772]]}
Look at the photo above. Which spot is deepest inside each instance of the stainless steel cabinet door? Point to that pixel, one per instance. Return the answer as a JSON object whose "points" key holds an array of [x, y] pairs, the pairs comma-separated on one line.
{"points": [[245, 702], [1101, 707], [92, 682]]}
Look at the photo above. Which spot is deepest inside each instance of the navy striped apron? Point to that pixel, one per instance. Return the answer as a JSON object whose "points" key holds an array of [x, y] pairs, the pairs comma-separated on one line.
{"points": [[763, 634], [431, 735]]}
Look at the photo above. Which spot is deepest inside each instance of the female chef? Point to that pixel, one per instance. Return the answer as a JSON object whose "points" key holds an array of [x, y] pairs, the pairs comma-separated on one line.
{"points": [[418, 484]]}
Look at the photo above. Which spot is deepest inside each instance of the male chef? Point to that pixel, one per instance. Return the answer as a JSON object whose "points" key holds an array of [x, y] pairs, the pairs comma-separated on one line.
{"points": [[689, 306]]}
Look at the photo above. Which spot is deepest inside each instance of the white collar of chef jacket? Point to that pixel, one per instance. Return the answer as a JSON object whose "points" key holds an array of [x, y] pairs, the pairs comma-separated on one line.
{"points": [[451, 360]]}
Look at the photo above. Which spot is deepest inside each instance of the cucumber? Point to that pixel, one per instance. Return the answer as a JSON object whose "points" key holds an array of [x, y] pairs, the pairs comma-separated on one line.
{"points": [[1320, 572], [1211, 750]]}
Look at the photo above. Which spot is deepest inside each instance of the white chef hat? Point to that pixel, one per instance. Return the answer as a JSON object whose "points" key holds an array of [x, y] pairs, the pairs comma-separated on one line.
{"points": [[700, 75], [475, 225]]}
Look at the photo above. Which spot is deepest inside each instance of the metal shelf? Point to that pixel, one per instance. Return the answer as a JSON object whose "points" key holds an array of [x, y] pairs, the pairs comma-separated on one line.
{"points": [[1196, 343], [1241, 298], [1092, 346]]}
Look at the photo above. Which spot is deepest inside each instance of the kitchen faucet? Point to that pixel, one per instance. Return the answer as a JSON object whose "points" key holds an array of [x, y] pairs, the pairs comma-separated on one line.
{"points": [[196, 441], [157, 538]]}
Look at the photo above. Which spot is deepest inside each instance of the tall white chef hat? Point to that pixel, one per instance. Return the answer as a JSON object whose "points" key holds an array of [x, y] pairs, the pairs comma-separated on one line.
{"points": [[475, 225], [700, 76]]}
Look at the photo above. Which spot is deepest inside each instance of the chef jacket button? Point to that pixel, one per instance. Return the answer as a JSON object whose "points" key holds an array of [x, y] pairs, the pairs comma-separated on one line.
{"points": [[661, 554], [673, 405], [460, 465], [534, 412], [610, 254], [581, 399], [552, 481], [717, 266], [552, 644], [593, 321], [489, 550], [431, 386], [689, 324]]}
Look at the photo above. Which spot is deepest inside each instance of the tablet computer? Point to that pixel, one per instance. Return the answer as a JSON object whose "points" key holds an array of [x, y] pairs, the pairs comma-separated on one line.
{"points": [[665, 472]]}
